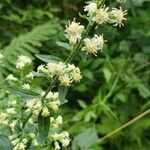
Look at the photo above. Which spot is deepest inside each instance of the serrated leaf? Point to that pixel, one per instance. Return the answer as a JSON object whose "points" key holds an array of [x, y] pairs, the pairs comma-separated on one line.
{"points": [[62, 90], [43, 126], [22, 93], [48, 58], [63, 44], [5, 143], [85, 140]]}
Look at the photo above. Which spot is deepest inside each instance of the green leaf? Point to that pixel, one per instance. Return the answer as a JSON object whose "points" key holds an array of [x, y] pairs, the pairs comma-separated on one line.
{"points": [[5, 143], [62, 90], [63, 44], [85, 140], [43, 126], [21, 92], [48, 58], [107, 74]]}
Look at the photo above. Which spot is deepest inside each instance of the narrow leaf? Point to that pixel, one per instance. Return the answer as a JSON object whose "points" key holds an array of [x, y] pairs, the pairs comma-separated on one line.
{"points": [[43, 126], [21, 92], [62, 90], [48, 58], [63, 44]]}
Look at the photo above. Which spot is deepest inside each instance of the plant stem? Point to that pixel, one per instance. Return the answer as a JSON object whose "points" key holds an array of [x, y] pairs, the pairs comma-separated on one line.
{"points": [[69, 59], [124, 126]]}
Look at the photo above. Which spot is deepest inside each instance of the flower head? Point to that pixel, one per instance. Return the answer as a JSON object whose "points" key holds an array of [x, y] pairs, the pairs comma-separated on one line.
{"points": [[23, 61], [102, 16], [26, 86], [117, 16], [94, 44], [74, 31], [10, 77], [91, 8]]}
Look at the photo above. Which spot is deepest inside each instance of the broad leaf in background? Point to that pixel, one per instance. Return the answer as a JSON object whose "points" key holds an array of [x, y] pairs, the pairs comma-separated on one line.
{"points": [[85, 140]]}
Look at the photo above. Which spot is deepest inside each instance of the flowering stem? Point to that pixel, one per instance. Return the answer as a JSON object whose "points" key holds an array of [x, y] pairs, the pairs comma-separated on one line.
{"points": [[124, 126], [69, 59]]}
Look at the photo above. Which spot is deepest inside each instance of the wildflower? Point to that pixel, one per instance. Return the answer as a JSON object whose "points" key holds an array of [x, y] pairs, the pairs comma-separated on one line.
{"points": [[94, 44], [91, 8], [26, 86], [55, 123], [56, 69], [22, 62], [3, 118], [54, 105], [45, 112], [65, 80], [30, 75], [117, 16], [41, 69], [11, 111], [74, 31], [102, 16], [56, 144], [76, 74], [10, 77]]}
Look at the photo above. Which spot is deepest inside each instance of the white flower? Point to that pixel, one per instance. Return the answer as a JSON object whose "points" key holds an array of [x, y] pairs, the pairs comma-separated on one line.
{"points": [[65, 80], [117, 16], [76, 74], [41, 69], [56, 69], [91, 8], [55, 123], [10, 77], [23, 61], [65, 142], [26, 86], [3, 118], [94, 44], [11, 111], [30, 75], [45, 112], [56, 144], [74, 31], [54, 105], [102, 16]]}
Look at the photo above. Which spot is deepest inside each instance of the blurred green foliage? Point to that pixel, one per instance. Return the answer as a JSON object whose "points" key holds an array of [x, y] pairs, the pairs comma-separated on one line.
{"points": [[115, 85]]}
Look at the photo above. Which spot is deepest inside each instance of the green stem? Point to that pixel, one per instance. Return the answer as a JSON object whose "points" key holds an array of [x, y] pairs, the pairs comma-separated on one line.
{"points": [[124, 126], [69, 59]]}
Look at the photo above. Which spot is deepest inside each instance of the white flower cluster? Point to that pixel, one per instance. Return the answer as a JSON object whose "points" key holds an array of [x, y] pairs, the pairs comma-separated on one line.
{"points": [[62, 138], [3, 118], [51, 102], [74, 31], [56, 123], [23, 61], [103, 15], [66, 73], [19, 144], [10, 77], [94, 44]]}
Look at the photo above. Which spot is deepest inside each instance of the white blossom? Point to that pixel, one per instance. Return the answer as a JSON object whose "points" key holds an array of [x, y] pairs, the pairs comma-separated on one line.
{"points": [[45, 112], [101, 16], [65, 80], [117, 16], [10, 77], [26, 86], [74, 31], [30, 75], [23, 61], [91, 8], [94, 44]]}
